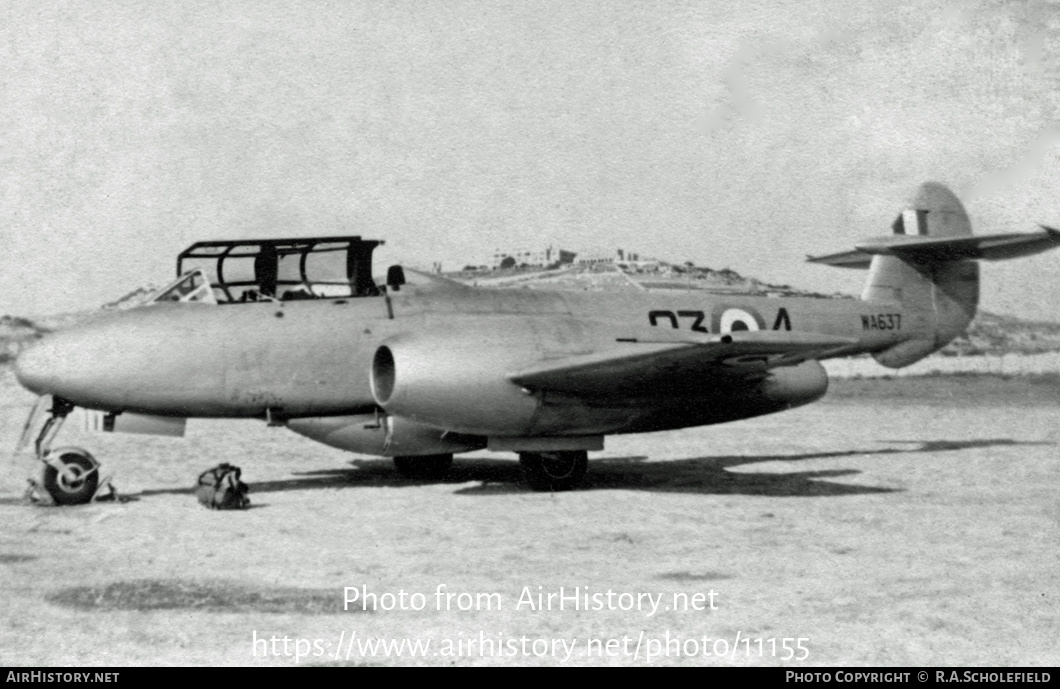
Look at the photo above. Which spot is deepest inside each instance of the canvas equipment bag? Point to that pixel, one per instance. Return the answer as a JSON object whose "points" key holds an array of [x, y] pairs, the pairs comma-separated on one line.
{"points": [[220, 488]]}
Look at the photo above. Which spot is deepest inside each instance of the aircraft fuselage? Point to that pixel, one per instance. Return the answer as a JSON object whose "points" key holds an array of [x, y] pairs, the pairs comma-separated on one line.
{"points": [[313, 358]]}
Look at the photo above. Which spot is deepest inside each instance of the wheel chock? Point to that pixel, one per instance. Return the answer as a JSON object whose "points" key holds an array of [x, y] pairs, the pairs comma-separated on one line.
{"points": [[106, 492], [36, 495]]}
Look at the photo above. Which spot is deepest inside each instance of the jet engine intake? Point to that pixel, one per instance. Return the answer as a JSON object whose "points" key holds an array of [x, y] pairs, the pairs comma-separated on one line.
{"points": [[453, 384]]}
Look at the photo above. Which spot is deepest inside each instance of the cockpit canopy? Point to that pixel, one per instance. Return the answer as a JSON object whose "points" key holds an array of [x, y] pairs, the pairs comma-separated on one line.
{"points": [[234, 271]]}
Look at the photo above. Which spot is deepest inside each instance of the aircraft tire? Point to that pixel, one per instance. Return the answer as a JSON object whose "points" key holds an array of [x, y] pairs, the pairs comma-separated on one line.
{"points": [[554, 471], [72, 492], [423, 466]]}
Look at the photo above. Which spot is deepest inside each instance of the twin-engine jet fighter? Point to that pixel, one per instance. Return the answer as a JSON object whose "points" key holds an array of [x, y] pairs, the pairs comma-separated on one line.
{"points": [[297, 333]]}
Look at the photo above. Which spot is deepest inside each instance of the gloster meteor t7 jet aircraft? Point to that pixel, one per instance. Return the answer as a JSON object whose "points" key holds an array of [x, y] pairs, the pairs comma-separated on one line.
{"points": [[295, 332]]}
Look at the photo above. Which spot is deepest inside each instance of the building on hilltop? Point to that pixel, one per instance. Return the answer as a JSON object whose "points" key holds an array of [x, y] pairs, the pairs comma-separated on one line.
{"points": [[537, 258], [549, 256], [603, 257]]}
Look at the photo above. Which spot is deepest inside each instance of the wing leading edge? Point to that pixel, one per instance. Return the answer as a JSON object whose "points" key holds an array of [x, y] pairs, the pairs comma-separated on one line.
{"points": [[641, 366]]}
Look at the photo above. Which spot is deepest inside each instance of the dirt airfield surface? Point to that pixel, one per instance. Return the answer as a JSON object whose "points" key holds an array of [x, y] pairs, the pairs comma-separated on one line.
{"points": [[905, 522]]}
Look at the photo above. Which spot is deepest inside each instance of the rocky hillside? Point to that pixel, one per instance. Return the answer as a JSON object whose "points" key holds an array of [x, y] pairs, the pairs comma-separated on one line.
{"points": [[989, 334], [16, 333], [995, 335], [635, 276]]}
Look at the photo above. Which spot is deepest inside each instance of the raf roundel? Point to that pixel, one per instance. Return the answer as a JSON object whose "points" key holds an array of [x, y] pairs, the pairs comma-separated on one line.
{"points": [[737, 320]]}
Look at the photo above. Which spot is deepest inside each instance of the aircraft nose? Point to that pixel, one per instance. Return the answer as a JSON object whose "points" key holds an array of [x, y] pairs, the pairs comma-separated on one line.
{"points": [[54, 364], [35, 367], [134, 360], [83, 364]]}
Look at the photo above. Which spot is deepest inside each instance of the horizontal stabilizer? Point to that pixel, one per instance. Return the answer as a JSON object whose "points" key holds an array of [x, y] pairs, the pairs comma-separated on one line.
{"points": [[926, 249], [640, 366], [846, 259]]}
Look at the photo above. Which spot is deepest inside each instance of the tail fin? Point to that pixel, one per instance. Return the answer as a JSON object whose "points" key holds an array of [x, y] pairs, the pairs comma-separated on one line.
{"points": [[944, 293], [927, 268]]}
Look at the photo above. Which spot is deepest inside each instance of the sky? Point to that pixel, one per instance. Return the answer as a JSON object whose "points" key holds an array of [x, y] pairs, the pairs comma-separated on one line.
{"points": [[739, 135]]}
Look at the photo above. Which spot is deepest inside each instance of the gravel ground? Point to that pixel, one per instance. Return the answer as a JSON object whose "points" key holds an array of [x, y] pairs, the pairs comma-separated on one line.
{"points": [[909, 522]]}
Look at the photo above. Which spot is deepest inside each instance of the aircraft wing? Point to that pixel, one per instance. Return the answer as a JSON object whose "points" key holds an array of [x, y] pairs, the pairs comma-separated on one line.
{"points": [[646, 365]]}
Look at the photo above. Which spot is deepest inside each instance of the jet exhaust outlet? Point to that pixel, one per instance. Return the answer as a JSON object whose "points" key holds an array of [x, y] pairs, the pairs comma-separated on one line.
{"points": [[794, 386]]}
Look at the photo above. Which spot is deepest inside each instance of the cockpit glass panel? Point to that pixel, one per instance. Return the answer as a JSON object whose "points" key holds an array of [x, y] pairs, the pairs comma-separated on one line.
{"points": [[238, 270], [208, 251], [310, 268], [190, 287], [327, 267], [207, 265], [244, 250], [290, 268]]}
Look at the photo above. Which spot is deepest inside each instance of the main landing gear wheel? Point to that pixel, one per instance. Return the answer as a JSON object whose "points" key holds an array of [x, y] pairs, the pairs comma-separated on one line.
{"points": [[554, 471], [76, 483], [423, 466]]}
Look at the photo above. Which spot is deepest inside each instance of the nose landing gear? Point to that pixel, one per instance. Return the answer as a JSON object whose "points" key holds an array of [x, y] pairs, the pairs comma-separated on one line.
{"points": [[70, 475]]}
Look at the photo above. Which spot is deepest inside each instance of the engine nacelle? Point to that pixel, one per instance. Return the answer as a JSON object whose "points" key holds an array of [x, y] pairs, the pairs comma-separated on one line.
{"points": [[794, 386], [454, 384], [383, 435]]}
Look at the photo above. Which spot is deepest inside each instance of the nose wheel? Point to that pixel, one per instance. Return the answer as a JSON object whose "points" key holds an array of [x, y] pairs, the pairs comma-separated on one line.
{"points": [[554, 471], [70, 475]]}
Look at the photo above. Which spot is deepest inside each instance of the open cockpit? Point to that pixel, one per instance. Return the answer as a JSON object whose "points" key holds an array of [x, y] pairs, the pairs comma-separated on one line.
{"points": [[253, 270]]}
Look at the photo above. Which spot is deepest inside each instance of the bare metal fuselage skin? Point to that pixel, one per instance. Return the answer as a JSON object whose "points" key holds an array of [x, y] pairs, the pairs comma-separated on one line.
{"points": [[299, 359]]}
